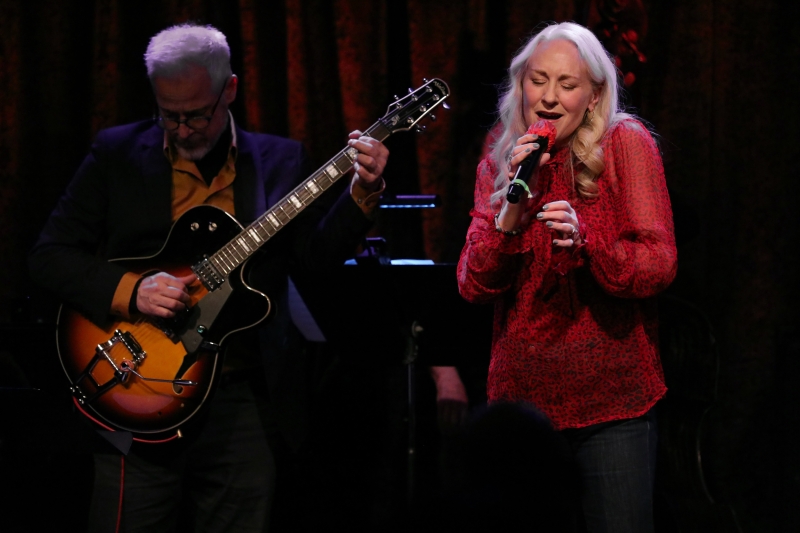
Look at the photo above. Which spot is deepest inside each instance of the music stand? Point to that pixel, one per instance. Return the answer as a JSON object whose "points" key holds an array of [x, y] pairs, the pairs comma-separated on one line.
{"points": [[412, 310]]}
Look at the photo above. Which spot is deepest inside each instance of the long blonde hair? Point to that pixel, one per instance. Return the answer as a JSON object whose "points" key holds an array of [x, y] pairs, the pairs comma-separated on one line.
{"points": [[584, 144]]}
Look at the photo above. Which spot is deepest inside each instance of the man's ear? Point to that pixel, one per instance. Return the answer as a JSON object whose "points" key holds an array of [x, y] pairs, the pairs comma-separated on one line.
{"points": [[230, 90]]}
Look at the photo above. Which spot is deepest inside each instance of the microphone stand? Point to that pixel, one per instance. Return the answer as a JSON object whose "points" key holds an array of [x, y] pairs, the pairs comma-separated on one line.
{"points": [[412, 351]]}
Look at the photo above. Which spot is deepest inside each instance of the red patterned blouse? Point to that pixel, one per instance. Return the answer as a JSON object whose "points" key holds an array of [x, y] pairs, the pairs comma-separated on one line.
{"points": [[576, 331]]}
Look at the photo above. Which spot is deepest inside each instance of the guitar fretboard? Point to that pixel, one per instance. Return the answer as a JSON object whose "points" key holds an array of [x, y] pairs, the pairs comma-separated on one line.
{"points": [[233, 254]]}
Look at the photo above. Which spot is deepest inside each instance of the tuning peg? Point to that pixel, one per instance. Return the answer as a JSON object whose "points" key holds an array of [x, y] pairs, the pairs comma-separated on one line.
{"points": [[444, 105], [396, 97], [433, 118], [419, 128]]}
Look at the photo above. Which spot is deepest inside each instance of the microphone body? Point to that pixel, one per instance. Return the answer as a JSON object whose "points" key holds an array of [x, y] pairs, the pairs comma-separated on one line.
{"points": [[547, 136]]}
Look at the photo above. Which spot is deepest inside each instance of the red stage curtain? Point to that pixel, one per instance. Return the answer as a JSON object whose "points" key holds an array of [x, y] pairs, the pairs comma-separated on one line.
{"points": [[719, 87]]}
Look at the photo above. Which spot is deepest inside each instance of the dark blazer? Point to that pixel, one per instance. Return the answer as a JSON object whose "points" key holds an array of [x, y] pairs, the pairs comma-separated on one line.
{"points": [[119, 204]]}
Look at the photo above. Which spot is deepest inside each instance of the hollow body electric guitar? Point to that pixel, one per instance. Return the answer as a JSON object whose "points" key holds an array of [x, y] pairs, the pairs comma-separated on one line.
{"points": [[150, 376]]}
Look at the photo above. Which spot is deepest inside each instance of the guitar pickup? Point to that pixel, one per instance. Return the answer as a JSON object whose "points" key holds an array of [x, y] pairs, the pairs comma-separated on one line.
{"points": [[208, 275]]}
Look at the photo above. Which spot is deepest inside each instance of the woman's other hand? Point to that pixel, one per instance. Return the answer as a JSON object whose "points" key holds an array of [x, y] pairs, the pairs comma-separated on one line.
{"points": [[562, 219]]}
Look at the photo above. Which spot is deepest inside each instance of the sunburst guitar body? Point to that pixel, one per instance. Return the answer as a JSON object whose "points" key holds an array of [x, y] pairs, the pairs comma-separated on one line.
{"points": [[139, 375]]}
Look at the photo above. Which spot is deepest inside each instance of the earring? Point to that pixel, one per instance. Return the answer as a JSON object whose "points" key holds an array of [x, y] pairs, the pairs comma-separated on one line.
{"points": [[589, 116]]}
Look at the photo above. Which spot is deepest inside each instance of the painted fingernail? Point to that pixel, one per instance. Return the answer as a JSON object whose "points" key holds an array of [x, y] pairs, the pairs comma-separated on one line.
{"points": [[539, 215], [555, 242], [544, 207], [527, 150], [549, 224]]}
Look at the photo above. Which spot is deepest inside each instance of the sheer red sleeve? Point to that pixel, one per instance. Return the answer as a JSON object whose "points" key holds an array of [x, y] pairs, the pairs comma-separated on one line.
{"points": [[630, 238], [490, 260]]}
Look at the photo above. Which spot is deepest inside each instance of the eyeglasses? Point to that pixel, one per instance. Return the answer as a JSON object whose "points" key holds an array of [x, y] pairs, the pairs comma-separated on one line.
{"points": [[194, 123]]}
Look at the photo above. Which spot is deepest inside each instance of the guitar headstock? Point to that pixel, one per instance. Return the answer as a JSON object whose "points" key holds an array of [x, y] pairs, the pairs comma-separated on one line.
{"points": [[405, 113]]}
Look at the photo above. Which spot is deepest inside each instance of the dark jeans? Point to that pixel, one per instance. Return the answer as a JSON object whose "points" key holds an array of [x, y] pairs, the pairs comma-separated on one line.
{"points": [[616, 462], [220, 479]]}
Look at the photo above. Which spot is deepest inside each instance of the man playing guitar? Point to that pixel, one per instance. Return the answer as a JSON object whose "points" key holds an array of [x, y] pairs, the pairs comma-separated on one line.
{"points": [[137, 181]]}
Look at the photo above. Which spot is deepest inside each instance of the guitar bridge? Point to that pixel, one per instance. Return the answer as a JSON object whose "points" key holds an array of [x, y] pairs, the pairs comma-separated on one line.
{"points": [[130, 344], [121, 372]]}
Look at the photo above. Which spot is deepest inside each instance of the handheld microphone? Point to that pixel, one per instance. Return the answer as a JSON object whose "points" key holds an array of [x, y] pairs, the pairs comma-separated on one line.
{"points": [[547, 137]]}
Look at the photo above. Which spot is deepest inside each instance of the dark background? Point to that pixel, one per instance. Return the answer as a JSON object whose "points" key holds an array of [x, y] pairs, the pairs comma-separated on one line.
{"points": [[718, 86]]}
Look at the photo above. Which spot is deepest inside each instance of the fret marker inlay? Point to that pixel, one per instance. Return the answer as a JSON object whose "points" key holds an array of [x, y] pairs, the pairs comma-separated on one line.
{"points": [[243, 244]]}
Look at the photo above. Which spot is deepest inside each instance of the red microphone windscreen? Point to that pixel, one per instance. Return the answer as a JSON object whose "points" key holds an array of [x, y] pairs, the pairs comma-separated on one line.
{"points": [[544, 129]]}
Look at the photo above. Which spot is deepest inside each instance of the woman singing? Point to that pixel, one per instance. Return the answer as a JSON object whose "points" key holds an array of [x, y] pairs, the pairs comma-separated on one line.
{"points": [[573, 268]]}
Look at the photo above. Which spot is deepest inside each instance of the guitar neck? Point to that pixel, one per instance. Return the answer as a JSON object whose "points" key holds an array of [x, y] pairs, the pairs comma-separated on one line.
{"points": [[403, 115], [233, 254]]}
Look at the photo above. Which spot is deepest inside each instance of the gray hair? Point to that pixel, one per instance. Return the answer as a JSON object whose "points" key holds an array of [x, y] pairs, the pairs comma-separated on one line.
{"points": [[176, 48]]}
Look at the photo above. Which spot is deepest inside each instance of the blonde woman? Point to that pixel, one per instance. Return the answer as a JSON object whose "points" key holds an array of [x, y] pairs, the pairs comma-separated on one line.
{"points": [[573, 269]]}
